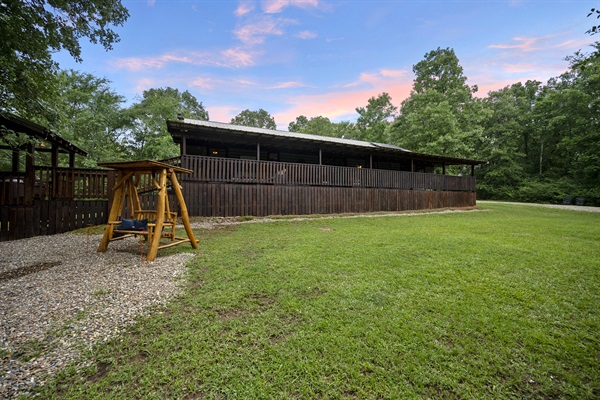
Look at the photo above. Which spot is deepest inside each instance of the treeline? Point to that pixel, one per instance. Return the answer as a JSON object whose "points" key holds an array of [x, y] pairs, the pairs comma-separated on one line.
{"points": [[541, 140]]}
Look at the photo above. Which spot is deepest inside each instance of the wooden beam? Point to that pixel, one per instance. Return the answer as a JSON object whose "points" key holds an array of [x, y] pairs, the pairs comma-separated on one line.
{"points": [[122, 179], [54, 161], [183, 210], [160, 217], [29, 174], [15, 161], [115, 212], [257, 151]]}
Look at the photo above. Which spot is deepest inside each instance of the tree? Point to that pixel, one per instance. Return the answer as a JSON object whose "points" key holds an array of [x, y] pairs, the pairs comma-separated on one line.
{"points": [[148, 137], [322, 126], [441, 71], [90, 115], [298, 125], [32, 30], [256, 119], [374, 119], [505, 140], [440, 116], [596, 28]]}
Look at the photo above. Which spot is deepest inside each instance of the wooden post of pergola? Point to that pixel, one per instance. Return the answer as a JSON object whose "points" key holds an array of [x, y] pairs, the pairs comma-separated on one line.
{"points": [[161, 222]]}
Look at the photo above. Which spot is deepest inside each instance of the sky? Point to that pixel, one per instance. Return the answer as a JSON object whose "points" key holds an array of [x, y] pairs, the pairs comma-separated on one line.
{"points": [[328, 57]]}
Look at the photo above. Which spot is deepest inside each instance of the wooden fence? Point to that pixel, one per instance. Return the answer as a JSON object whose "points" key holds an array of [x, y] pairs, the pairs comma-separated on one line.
{"points": [[227, 170], [63, 199], [48, 217], [213, 199], [231, 187]]}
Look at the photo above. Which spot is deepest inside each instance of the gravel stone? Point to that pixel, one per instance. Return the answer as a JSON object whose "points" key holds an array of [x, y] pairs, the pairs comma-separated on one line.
{"points": [[59, 296]]}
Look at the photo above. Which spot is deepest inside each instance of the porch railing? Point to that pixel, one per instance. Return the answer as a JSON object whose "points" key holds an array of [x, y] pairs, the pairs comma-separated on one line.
{"points": [[227, 170]]}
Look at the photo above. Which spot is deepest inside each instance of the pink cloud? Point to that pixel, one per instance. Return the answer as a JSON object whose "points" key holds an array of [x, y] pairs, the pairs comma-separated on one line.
{"points": [[341, 104], [277, 6], [256, 32], [238, 57], [287, 85], [377, 79], [548, 42], [144, 84], [222, 113], [231, 58], [244, 8], [523, 44], [202, 83], [306, 35]]}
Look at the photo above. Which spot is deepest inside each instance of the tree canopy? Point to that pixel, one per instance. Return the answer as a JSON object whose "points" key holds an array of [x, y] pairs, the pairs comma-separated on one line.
{"points": [[256, 119], [32, 30], [148, 137], [374, 119]]}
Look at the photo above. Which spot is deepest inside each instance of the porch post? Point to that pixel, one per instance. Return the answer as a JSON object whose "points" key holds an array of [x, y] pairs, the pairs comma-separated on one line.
{"points": [[472, 169], [444, 168], [370, 161], [54, 156], [183, 145], [29, 175], [320, 157], [15, 161], [257, 151]]}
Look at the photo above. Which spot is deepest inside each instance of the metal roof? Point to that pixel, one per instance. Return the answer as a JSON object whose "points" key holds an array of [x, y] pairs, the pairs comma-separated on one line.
{"points": [[248, 130]]}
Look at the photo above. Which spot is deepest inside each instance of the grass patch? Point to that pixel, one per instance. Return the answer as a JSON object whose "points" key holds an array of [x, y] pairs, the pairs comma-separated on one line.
{"points": [[499, 304]]}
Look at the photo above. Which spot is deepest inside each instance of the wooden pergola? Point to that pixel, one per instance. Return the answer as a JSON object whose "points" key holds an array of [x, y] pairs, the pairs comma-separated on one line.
{"points": [[161, 222]]}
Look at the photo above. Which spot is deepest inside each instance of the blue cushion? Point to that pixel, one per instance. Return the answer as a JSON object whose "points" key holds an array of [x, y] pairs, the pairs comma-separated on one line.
{"points": [[140, 225], [126, 225]]}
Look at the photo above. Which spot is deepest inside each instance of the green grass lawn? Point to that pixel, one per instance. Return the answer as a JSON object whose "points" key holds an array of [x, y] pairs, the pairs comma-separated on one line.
{"points": [[503, 303]]}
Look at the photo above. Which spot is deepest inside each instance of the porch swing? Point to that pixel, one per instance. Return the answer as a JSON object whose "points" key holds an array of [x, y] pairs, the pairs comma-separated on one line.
{"points": [[151, 224]]}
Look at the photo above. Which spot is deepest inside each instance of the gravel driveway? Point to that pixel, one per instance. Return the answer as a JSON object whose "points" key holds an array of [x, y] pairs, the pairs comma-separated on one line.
{"points": [[560, 206]]}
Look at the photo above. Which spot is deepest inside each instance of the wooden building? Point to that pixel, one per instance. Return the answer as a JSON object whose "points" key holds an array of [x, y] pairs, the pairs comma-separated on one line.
{"points": [[37, 196], [240, 170]]}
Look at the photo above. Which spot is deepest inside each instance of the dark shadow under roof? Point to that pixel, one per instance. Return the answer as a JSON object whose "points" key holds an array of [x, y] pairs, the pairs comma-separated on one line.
{"points": [[21, 125], [192, 125]]}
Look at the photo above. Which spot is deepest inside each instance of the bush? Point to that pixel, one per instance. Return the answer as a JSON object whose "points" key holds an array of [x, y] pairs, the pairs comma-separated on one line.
{"points": [[539, 191]]}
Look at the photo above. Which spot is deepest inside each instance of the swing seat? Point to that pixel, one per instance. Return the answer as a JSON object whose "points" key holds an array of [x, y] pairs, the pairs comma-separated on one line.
{"points": [[168, 230]]}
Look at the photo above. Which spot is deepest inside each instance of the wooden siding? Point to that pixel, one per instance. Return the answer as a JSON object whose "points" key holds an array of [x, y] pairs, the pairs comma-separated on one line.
{"points": [[227, 187], [48, 217], [227, 170], [232, 187], [228, 200]]}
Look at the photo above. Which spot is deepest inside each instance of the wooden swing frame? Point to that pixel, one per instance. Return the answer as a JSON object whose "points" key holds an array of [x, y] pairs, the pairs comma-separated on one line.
{"points": [[162, 221]]}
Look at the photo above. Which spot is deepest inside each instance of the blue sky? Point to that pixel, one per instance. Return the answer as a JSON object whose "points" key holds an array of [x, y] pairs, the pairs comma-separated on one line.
{"points": [[327, 57]]}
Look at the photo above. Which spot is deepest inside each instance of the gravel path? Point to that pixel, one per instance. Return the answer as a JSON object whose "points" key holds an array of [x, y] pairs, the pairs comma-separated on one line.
{"points": [[560, 206], [58, 297]]}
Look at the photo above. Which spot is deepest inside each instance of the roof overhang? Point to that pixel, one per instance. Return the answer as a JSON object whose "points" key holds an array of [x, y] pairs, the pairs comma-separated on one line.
{"points": [[21, 125], [192, 127]]}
